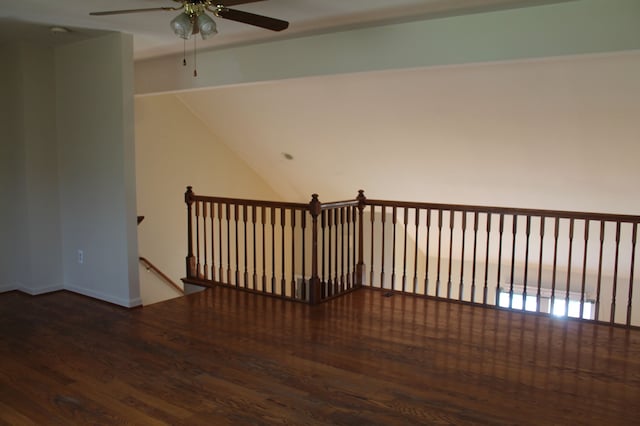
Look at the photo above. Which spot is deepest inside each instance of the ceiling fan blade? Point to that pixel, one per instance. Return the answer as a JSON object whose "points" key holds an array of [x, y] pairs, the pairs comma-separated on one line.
{"points": [[226, 3], [118, 12], [252, 19]]}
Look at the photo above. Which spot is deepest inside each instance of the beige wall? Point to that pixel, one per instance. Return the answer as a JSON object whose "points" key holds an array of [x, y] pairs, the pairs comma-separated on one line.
{"points": [[174, 150], [555, 133]]}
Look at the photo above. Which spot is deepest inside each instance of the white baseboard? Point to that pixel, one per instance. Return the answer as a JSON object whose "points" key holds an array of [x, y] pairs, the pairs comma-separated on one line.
{"points": [[40, 290], [127, 303], [8, 287]]}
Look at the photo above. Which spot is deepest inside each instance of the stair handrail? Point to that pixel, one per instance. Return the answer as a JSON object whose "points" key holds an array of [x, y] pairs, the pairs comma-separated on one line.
{"points": [[162, 275]]}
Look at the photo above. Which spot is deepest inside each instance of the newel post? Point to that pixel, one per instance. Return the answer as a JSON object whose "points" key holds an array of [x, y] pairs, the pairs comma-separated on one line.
{"points": [[362, 201], [191, 260], [315, 207]]}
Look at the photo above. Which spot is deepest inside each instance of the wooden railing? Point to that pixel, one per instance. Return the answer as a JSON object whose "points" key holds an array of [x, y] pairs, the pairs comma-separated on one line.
{"points": [[562, 263], [302, 252], [554, 262]]}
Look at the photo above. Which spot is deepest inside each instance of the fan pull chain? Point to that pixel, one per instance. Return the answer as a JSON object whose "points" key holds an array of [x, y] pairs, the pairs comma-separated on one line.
{"points": [[195, 55], [184, 52]]}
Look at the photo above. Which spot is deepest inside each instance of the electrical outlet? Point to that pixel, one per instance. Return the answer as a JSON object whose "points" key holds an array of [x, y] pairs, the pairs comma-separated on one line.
{"points": [[80, 257]]}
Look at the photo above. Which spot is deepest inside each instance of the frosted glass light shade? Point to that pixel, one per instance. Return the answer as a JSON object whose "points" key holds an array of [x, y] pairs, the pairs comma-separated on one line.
{"points": [[207, 26], [182, 26]]}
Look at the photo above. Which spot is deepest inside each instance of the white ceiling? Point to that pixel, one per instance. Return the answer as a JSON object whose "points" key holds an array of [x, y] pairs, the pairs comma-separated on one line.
{"points": [[153, 37]]}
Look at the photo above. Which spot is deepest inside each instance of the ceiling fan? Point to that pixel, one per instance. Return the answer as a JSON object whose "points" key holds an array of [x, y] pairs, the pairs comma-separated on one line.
{"points": [[193, 18]]}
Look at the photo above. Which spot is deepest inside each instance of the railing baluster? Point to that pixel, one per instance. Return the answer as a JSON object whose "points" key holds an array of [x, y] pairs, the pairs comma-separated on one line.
{"points": [[426, 261], [198, 266], [372, 261], [228, 216], [452, 216], [283, 280], [341, 247], [584, 268], [383, 221], [485, 292], [350, 214], [475, 252], [212, 208], [415, 251], [220, 268], [205, 272], [540, 260], [303, 260], [439, 252], [255, 244], [236, 219], [293, 253], [245, 212], [555, 263], [634, 234], [393, 251], [464, 232], [615, 275], [404, 258], [600, 257], [566, 296], [329, 286], [273, 250], [324, 281], [264, 248], [514, 233], [526, 263], [500, 232], [336, 225]]}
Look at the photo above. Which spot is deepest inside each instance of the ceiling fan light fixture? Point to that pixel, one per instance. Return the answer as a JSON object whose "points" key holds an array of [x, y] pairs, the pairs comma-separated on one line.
{"points": [[182, 26], [206, 25]]}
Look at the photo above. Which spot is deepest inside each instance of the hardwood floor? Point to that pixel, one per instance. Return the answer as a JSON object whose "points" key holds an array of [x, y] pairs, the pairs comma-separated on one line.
{"points": [[223, 357]]}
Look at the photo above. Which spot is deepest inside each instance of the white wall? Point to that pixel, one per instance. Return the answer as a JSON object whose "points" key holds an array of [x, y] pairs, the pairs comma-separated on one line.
{"points": [[41, 165], [13, 245], [174, 150], [30, 220], [94, 104]]}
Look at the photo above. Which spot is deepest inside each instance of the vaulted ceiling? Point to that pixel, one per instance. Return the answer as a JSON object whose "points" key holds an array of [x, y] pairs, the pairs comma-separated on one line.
{"points": [[550, 133], [469, 132]]}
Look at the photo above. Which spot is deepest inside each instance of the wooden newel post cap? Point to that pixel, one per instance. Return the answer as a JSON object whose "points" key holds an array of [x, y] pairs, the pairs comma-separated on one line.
{"points": [[361, 198], [315, 206], [188, 195]]}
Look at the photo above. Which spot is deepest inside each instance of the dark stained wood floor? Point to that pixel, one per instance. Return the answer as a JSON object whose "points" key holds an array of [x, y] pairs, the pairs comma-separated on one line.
{"points": [[225, 357]]}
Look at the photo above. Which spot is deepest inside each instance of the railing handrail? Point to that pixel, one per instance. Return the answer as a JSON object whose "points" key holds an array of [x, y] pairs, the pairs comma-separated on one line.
{"points": [[165, 278], [564, 214], [339, 204], [247, 202]]}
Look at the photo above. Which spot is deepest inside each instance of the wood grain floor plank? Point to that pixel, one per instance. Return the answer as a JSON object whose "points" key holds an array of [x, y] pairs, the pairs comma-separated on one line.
{"points": [[226, 358]]}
